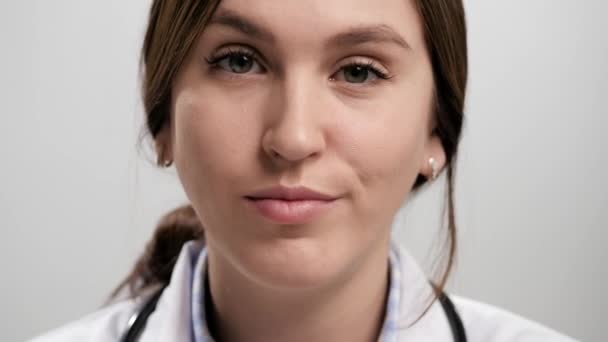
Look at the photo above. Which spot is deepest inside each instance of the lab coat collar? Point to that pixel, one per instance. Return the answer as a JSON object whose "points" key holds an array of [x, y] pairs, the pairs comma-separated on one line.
{"points": [[172, 319], [416, 295]]}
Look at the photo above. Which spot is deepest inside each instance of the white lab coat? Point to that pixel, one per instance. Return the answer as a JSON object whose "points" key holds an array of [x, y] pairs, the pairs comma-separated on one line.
{"points": [[171, 321]]}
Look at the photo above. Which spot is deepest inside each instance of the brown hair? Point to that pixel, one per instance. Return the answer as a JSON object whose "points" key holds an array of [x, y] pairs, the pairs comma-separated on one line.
{"points": [[173, 27]]}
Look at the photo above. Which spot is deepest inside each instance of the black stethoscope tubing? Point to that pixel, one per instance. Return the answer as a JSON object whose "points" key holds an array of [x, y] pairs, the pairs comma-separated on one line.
{"points": [[454, 320], [137, 322]]}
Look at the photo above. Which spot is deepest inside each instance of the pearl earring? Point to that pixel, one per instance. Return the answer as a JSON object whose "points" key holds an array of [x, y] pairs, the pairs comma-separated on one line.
{"points": [[162, 162], [434, 168]]}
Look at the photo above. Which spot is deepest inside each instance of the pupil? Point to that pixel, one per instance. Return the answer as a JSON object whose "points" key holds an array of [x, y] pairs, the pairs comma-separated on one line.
{"points": [[240, 64], [356, 74]]}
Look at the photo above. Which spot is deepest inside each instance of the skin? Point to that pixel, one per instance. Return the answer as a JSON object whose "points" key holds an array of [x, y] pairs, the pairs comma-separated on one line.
{"points": [[299, 116]]}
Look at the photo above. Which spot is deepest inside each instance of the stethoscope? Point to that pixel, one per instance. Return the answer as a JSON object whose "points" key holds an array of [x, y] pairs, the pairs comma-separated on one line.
{"points": [[137, 322]]}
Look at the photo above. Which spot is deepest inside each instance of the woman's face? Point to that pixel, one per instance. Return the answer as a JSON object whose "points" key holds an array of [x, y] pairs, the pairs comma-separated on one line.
{"points": [[334, 96]]}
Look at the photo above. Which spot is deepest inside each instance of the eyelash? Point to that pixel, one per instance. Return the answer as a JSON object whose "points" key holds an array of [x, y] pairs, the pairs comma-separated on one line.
{"points": [[371, 66], [214, 60]]}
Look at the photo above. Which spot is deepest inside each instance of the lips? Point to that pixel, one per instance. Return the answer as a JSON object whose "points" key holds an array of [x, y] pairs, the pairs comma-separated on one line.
{"points": [[285, 205], [291, 194]]}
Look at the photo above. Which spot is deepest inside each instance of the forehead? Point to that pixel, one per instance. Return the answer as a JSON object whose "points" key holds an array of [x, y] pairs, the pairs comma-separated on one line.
{"points": [[311, 21]]}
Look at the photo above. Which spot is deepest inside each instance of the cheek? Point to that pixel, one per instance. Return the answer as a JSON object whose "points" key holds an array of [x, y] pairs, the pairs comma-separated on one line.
{"points": [[214, 139], [385, 148]]}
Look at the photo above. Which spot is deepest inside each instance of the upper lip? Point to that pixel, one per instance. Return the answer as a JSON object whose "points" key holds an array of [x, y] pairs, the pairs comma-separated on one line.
{"points": [[299, 193]]}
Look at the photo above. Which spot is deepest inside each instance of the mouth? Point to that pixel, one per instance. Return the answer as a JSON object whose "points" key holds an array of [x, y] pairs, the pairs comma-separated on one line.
{"points": [[285, 205]]}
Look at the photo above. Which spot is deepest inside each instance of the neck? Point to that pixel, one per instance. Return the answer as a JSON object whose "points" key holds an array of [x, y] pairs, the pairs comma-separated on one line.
{"points": [[352, 309]]}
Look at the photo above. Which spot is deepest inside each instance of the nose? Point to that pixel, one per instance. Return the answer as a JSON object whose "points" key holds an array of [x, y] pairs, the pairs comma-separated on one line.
{"points": [[295, 129]]}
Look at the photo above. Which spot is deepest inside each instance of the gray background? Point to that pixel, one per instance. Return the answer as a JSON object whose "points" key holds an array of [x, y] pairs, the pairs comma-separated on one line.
{"points": [[78, 198]]}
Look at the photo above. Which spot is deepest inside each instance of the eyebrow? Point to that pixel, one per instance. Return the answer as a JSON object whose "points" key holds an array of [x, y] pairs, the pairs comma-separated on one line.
{"points": [[231, 19], [358, 35], [368, 34]]}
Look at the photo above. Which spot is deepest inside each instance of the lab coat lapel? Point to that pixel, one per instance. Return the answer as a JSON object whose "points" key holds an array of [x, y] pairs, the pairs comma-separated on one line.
{"points": [[172, 320], [414, 298]]}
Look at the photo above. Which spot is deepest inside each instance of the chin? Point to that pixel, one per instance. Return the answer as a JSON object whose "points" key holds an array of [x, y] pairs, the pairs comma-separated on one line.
{"points": [[292, 263]]}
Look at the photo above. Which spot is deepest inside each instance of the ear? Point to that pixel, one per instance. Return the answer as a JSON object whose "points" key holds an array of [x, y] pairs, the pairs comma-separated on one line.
{"points": [[163, 144], [433, 149]]}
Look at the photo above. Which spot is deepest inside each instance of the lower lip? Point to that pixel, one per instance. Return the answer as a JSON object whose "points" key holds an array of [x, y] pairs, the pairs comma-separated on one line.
{"points": [[290, 212]]}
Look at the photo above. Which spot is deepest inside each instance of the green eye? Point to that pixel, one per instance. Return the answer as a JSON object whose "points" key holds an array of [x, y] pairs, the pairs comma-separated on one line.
{"points": [[238, 64], [360, 73], [356, 74]]}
